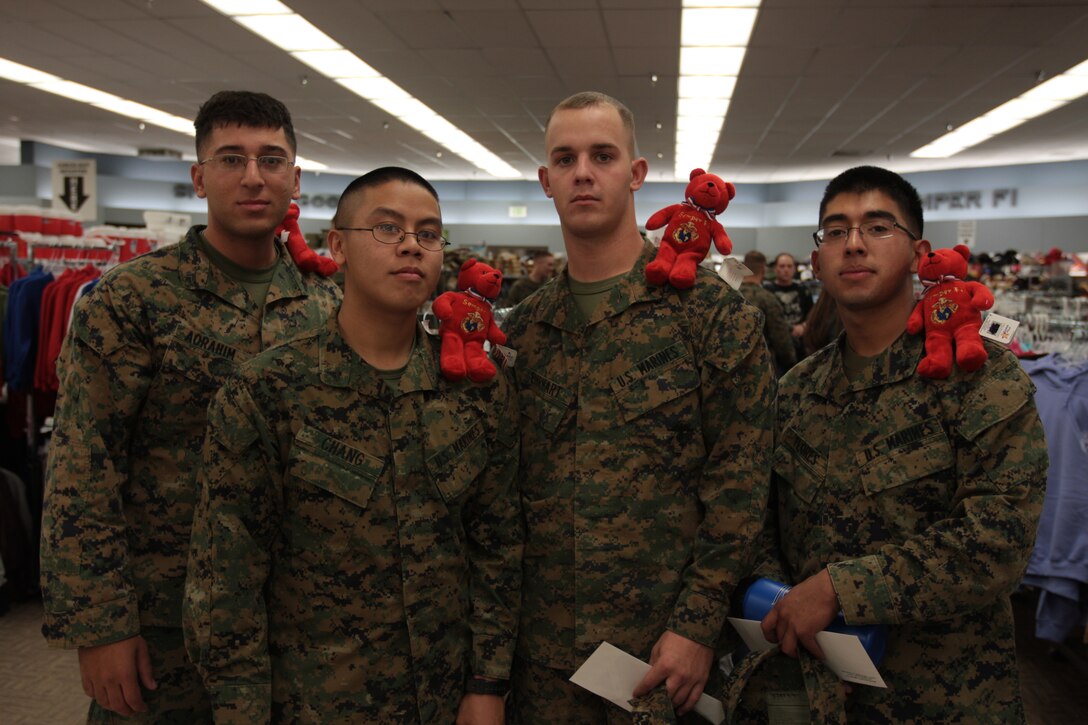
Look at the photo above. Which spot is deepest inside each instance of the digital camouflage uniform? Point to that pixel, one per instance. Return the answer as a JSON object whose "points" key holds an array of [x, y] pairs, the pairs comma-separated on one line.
{"points": [[646, 439], [356, 550], [921, 497], [147, 349], [775, 327]]}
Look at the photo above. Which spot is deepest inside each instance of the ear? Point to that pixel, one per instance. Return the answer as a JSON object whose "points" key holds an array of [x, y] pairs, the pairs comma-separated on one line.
{"points": [[921, 249], [694, 173], [297, 191], [639, 170], [542, 175], [815, 259], [334, 240], [196, 173], [468, 264], [963, 250], [730, 190]]}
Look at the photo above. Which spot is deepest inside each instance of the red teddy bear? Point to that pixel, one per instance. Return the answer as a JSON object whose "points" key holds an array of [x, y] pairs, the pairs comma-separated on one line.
{"points": [[949, 309], [305, 258], [691, 226], [466, 321]]}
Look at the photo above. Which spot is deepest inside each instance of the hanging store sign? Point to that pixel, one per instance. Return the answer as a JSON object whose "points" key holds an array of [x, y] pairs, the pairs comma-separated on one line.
{"points": [[74, 188]]}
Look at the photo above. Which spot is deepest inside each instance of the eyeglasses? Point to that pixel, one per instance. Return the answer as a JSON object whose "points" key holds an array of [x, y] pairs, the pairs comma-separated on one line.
{"points": [[870, 231], [429, 239], [238, 163]]}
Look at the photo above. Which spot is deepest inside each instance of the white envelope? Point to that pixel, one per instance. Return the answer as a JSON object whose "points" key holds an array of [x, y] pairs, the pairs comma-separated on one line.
{"points": [[845, 655], [613, 674]]}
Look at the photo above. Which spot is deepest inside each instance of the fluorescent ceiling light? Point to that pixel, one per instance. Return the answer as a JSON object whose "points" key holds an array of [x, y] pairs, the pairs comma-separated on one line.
{"points": [[288, 32], [248, 7], [1042, 99], [716, 27], [713, 41], [293, 33], [706, 86], [711, 61], [23, 74], [336, 63], [33, 78]]}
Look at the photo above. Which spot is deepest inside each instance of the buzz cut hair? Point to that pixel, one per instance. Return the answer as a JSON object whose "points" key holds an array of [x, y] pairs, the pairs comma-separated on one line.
{"points": [[591, 99], [377, 177], [242, 108], [861, 179]]}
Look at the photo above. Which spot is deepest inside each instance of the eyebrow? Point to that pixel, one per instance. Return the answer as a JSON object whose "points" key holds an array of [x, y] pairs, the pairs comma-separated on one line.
{"points": [[592, 147], [874, 214], [267, 150], [400, 218]]}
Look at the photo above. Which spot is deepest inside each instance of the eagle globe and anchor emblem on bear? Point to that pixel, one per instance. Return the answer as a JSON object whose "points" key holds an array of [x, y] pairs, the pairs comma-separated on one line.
{"points": [[473, 322], [686, 233], [943, 309]]}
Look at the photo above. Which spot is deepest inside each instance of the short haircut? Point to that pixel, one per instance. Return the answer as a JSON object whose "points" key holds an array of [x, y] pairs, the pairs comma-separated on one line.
{"points": [[780, 255], [243, 108], [589, 99], [377, 177], [861, 179], [755, 259], [540, 254]]}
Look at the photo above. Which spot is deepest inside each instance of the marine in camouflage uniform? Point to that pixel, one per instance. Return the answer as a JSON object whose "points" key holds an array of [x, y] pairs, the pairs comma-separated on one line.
{"points": [[148, 348], [646, 434], [356, 550], [921, 498], [775, 328], [915, 501]]}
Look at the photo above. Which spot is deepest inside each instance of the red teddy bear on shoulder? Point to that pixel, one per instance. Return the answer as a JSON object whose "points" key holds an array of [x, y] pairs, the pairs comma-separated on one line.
{"points": [[691, 227], [305, 258], [949, 311], [466, 321]]}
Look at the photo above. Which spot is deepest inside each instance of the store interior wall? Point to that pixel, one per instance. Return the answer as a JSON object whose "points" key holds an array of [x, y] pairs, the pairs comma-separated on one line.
{"points": [[1027, 207]]}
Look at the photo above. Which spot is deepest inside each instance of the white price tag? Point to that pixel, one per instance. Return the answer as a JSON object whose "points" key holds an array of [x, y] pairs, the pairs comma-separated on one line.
{"points": [[998, 328], [507, 354]]}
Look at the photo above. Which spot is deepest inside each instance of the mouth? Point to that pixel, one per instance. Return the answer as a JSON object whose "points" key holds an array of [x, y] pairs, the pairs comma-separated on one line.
{"points": [[583, 198], [408, 273], [855, 272], [253, 204]]}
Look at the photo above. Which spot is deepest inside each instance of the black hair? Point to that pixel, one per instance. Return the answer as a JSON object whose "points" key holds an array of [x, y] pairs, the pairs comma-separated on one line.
{"points": [[861, 179], [243, 108], [377, 177]]}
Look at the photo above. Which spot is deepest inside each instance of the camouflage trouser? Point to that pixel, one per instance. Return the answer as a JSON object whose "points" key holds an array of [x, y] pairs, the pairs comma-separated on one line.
{"points": [[544, 696], [180, 697], [769, 688]]}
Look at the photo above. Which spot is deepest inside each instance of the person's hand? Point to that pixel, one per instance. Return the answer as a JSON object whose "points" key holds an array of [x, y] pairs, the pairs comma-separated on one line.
{"points": [[805, 610], [112, 674], [798, 329], [683, 665], [481, 710]]}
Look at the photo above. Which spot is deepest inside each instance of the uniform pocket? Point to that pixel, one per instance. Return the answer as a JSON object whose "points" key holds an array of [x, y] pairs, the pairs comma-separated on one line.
{"points": [[199, 358], [453, 468], [333, 466], [542, 401], [919, 451], [657, 379], [801, 465]]}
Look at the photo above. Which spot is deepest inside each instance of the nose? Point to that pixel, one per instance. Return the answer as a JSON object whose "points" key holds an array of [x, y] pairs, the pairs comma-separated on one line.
{"points": [[252, 175], [853, 241], [406, 248]]}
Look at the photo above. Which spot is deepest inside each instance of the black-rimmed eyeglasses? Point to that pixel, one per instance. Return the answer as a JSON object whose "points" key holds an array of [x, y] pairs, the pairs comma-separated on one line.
{"points": [[237, 164]]}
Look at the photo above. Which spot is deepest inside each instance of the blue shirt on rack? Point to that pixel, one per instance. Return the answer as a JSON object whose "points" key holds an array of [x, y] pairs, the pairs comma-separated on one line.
{"points": [[21, 324]]}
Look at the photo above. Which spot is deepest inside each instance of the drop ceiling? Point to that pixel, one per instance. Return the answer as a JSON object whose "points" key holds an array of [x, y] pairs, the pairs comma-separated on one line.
{"points": [[825, 83]]}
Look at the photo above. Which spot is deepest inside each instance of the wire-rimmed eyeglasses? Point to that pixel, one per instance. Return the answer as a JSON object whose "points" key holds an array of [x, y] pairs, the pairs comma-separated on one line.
{"points": [[870, 231], [237, 164], [386, 233]]}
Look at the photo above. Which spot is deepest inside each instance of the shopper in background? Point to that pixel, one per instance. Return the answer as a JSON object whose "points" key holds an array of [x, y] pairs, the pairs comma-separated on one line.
{"points": [[543, 267], [147, 349], [794, 297], [775, 328], [356, 551], [822, 325], [646, 434], [901, 500]]}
